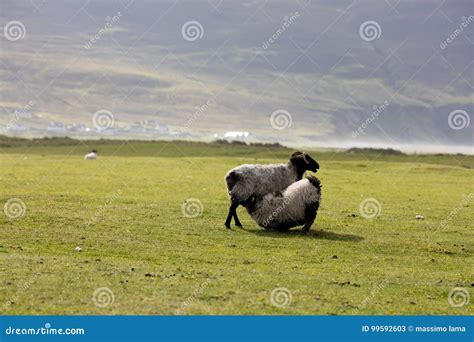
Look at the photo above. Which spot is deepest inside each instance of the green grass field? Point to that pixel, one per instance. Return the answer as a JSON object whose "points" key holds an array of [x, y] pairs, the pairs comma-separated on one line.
{"points": [[125, 213]]}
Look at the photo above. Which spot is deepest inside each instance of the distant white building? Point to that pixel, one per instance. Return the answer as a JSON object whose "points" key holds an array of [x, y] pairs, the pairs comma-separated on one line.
{"points": [[76, 127], [236, 135], [56, 127], [18, 128], [149, 127]]}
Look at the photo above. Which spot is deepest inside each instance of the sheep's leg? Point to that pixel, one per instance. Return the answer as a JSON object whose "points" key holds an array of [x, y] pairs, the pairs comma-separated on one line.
{"points": [[236, 219], [249, 203], [229, 217], [310, 213], [307, 226], [232, 213]]}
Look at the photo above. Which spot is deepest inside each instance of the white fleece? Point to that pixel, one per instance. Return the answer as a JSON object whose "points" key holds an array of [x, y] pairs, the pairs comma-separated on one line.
{"points": [[90, 156], [255, 179], [287, 209]]}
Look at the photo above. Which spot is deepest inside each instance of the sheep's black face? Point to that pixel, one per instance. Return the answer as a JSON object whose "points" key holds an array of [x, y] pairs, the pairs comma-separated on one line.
{"points": [[311, 163], [304, 162]]}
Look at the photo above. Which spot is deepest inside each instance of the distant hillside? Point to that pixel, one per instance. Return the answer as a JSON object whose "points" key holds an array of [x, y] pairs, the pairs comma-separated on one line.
{"points": [[306, 58]]}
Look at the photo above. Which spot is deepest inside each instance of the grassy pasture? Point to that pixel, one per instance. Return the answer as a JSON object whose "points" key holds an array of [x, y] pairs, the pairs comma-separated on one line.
{"points": [[125, 213]]}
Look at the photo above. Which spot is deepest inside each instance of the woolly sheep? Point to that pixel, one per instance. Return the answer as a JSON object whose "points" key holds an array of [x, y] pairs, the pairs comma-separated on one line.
{"points": [[249, 180], [91, 155], [297, 205]]}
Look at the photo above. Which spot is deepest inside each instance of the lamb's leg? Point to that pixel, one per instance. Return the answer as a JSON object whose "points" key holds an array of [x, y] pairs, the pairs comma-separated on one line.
{"points": [[310, 215]]}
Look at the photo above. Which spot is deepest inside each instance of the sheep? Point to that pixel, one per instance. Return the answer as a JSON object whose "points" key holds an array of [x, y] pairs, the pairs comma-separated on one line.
{"points": [[249, 180], [297, 205], [91, 155]]}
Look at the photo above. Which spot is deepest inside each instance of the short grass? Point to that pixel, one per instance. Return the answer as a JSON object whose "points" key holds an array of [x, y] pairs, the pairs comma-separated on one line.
{"points": [[125, 212]]}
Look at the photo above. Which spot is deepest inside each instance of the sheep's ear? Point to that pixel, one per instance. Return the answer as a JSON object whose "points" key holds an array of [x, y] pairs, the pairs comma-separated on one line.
{"points": [[305, 158], [297, 153]]}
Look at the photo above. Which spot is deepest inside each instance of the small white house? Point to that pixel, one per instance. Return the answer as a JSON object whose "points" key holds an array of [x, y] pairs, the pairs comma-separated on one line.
{"points": [[236, 135]]}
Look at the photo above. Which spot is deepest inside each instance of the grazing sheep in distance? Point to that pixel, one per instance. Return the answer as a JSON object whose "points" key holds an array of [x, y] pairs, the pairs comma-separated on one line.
{"points": [[297, 205], [91, 155], [249, 180]]}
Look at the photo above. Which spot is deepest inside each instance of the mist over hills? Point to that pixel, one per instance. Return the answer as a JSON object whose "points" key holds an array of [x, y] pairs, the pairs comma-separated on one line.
{"points": [[407, 81]]}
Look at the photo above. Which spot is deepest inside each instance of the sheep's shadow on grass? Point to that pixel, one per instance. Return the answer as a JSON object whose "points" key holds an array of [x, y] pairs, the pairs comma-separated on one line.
{"points": [[315, 234]]}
